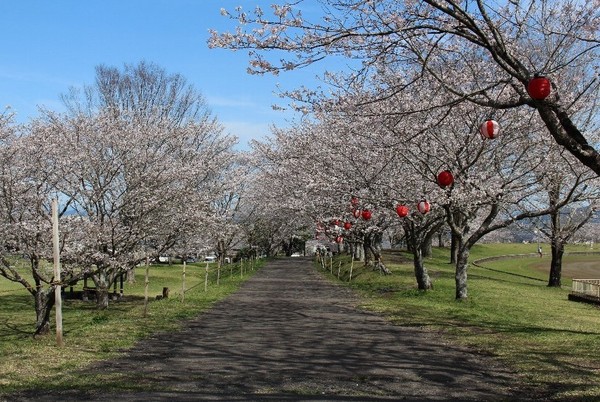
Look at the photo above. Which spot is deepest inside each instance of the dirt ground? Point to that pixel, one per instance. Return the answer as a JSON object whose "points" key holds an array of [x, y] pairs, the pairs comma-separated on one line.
{"points": [[290, 335], [581, 266]]}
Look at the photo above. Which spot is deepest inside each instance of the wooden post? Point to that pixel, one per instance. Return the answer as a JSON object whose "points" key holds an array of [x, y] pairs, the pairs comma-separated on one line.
{"points": [[241, 268], [218, 271], [331, 264], [114, 295], [146, 282], [183, 282], [206, 278], [339, 268], [57, 286], [351, 266]]}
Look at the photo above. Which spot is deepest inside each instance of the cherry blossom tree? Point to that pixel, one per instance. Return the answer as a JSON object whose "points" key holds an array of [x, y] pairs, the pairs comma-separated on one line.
{"points": [[140, 188], [496, 180], [272, 213], [512, 41], [26, 191], [144, 94], [325, 165], [463, 53], [562, 179], [137, 164], [228, 205], [137, 158]]}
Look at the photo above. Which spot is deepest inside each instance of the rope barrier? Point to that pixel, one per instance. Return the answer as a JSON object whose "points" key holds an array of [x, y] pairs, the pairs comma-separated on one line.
{"points": [[212, 269]]}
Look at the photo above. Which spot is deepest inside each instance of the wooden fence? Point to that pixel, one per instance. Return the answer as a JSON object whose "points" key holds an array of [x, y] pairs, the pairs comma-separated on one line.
{"points": [[589, 287]]}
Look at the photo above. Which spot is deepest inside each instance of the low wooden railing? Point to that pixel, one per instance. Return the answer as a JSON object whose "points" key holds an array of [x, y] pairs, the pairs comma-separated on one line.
{"points": [[590, 287]]}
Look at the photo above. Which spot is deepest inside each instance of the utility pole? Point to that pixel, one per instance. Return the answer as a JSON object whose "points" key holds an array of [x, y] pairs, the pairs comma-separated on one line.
{"points": [[57, 286]]}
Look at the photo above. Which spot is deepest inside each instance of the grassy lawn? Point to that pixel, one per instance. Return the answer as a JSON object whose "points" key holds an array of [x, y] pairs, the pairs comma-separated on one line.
{"points": [[551, 343], [91, 335]]}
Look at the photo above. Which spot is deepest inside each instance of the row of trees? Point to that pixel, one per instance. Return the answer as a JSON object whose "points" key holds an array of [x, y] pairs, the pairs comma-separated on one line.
{"points": [[140, 168], [424, 77]]}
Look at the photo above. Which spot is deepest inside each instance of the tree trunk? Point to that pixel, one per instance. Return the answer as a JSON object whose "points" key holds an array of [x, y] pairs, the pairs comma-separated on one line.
{"points": [[378, 264], [423, 280], [131, 275], [427, 248], [374, 243], [287, 247], [221, 251], [558, 249], [102, 290], [44, 301], [358, 252], [556, 242], [453, 248], [365, 250], [460, 277], [410, 234]]}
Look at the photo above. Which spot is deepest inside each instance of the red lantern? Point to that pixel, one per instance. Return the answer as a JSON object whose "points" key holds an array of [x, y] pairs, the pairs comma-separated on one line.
{"points": [[402, 210], [445, 178], [489, 129], [424, 207], [339, 239], [336, 222], [366, 214], [356, 213], [347, 225], [539, 87]]}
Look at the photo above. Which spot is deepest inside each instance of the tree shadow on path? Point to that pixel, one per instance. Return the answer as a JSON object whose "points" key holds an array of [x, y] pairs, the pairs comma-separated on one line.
{"points": [[288, 334]]}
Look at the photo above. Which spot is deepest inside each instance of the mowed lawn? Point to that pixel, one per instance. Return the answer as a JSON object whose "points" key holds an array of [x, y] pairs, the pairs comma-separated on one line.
{"points": [[552, 344], [90, 334]]}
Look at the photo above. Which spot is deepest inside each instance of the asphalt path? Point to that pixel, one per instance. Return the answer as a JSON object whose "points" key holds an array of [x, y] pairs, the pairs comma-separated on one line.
{"points": [[289, 334]]}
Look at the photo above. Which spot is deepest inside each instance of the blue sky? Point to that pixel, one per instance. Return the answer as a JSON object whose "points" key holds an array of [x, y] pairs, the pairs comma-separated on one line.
{"points": [[49, 46]]}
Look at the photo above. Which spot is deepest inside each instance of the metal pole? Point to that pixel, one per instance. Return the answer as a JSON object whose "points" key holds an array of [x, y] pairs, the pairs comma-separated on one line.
{"points": [[57, 286]]}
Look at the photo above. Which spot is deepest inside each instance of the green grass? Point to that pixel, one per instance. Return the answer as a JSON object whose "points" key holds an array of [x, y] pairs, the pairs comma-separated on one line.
{"points": [[551, 343], [91, 335]]}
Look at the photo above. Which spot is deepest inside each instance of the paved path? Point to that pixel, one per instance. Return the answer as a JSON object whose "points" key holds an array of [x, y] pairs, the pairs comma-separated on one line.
{"points": [[288, 334]]}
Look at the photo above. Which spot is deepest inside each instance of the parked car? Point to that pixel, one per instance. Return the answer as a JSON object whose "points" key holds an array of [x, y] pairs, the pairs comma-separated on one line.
{"points": [[210, 258]]}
